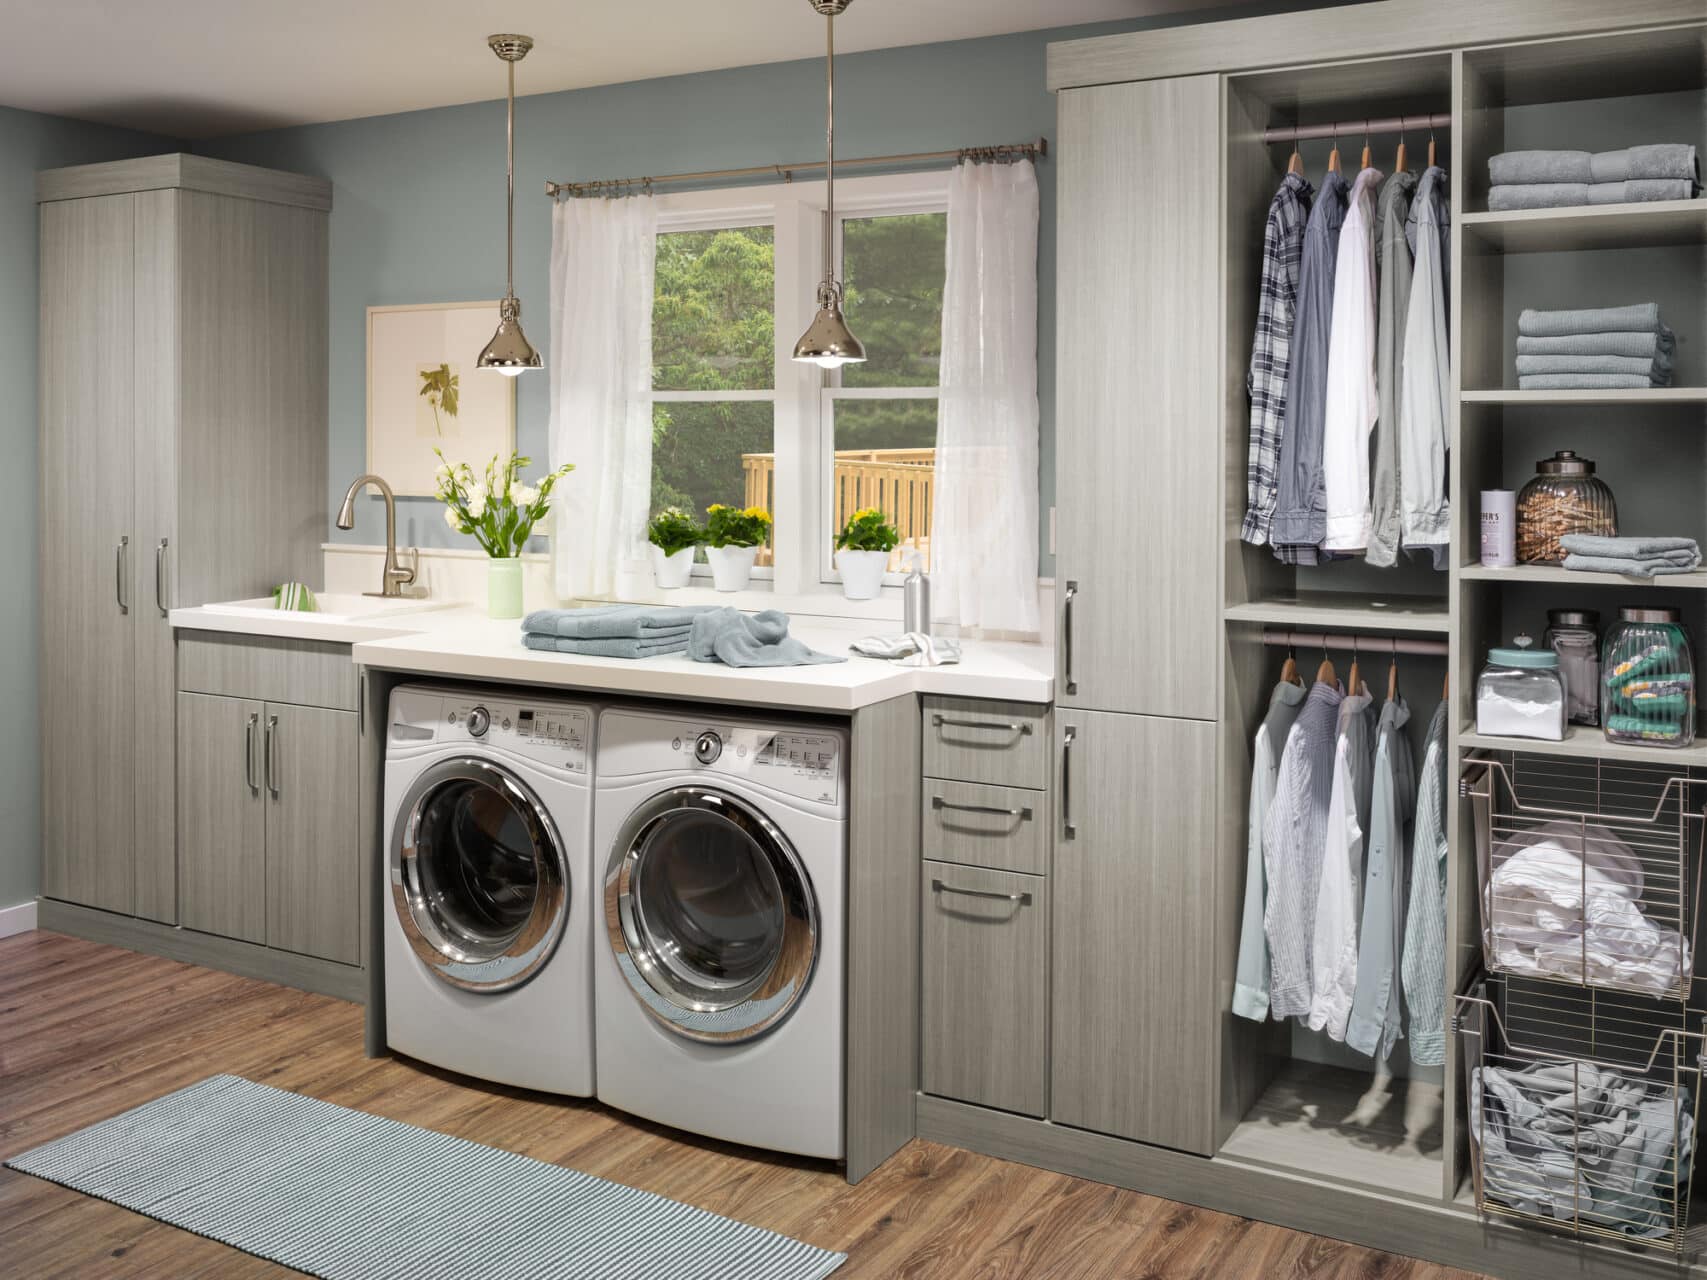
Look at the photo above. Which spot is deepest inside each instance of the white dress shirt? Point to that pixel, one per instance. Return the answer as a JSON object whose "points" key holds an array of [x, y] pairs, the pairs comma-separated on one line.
{"points": [[1352, 400]]}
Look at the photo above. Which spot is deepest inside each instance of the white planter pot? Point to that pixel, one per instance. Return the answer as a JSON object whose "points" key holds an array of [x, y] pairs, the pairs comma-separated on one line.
{"points": [[862, 572], [731, 567], [672, 571]]}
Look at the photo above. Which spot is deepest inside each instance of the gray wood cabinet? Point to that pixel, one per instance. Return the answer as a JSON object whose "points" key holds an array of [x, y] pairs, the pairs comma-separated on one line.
{"points": [[1138, 527], [222, 837], [183, 438], [1133, 1000]]}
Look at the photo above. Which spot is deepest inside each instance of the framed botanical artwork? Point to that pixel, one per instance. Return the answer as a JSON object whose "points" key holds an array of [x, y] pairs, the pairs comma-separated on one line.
{"points": [[423, 391]]}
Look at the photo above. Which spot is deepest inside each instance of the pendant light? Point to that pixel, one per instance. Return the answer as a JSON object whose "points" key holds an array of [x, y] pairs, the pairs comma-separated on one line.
{"points": [[510, 352], [828, 342]]}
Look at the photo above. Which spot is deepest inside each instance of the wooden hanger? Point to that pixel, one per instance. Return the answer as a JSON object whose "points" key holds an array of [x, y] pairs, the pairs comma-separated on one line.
{"points": [[1334, 156], [1354, 681], [1445, 685], [1295, 162], [1399, 162], [1289, 668], [1325, 674], [1431, 148], [1364, 164], [1393, 678]]}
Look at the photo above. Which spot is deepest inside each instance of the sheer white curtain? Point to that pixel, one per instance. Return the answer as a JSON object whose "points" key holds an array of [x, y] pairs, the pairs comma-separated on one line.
{"points": [[984, 523], [601, 382]]}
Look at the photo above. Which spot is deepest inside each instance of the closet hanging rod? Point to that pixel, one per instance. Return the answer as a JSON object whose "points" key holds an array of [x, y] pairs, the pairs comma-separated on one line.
{"points": [[1355, 642], [1359, 128], [786, 172]]}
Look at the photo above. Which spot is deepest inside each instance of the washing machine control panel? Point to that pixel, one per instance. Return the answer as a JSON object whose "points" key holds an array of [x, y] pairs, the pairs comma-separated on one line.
{"points": [[800, 763], [550, 733]]}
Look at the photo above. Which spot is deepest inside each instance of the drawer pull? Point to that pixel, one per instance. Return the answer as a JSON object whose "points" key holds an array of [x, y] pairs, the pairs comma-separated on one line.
{"points": [[1068, 830], [1024, 815], [1009, 726], [937, 886]]}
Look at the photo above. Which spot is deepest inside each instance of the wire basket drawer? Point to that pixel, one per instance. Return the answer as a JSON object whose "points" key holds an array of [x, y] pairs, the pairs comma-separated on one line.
{"points": [[1589, 870], [1601, 1149]]}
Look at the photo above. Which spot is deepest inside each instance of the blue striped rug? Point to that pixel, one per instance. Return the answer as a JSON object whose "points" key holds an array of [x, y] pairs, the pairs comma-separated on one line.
{"points": [[349, 1196]]}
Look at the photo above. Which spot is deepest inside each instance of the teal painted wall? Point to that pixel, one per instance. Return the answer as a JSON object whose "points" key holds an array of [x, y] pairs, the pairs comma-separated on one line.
{"points": [[28, 142]]}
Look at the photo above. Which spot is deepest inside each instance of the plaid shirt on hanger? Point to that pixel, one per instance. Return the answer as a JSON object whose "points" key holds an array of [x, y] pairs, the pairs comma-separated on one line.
{"points": [[1271, 351]]}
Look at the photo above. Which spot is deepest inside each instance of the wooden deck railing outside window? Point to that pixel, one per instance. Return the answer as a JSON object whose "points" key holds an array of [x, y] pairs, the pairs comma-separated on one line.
{"points": [[898, 482]]}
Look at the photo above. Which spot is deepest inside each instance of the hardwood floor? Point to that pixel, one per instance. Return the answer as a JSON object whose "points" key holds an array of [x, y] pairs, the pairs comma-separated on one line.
{"points": [[87, 1031]]}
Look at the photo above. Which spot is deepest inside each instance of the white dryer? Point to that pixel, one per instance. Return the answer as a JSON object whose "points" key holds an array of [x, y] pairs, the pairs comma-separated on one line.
{"points": [[488, 927], [719, 964]]}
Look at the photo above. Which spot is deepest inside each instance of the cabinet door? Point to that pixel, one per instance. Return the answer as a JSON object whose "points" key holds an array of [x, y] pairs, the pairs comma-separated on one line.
{"points": [[1138, 407], [89, 555], [313, 859], [1133, 998], [222, 881]]}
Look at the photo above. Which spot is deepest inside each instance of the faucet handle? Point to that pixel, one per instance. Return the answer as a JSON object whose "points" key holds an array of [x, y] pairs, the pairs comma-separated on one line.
{"points": [[406, 573]]}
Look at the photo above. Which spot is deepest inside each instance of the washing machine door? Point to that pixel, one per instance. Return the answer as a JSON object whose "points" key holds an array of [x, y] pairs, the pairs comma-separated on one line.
{"points": [[479, 875], [711, 916]]}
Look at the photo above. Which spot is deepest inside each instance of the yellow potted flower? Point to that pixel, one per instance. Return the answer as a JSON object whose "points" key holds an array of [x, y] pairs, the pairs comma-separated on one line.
{"points": [[732, 541], [862, 552]]}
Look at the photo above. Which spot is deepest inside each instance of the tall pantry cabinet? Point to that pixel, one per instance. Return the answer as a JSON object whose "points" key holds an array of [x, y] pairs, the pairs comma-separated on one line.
{"points": [[1138, 551], [183, 459]]}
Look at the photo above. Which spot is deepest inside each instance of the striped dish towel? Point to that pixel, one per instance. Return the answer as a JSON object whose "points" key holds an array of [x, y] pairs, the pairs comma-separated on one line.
{"points": [[293, 597], [911, 649]]}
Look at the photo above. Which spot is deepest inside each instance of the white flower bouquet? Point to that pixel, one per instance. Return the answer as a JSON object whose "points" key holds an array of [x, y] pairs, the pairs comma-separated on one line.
{"points": [[497, 508]]}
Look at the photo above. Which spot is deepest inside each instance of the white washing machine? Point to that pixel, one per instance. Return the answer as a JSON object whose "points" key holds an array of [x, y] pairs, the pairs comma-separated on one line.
{"points": [[718, 970], [489, 926]]}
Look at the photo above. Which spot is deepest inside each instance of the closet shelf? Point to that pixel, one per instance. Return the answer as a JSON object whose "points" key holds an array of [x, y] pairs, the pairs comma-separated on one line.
{"points": [[1622, 396], [1553, 573], [1328, 609], [1612, 226], [1586, 743]]}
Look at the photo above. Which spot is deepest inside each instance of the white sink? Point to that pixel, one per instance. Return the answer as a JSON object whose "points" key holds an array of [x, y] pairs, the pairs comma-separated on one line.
{"points": [[333, 607]]}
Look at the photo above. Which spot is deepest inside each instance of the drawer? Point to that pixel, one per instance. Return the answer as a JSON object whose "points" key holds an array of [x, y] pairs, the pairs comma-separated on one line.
{"points": [[973, 740], [309, 673], [984, 1031], [1003, 828]]}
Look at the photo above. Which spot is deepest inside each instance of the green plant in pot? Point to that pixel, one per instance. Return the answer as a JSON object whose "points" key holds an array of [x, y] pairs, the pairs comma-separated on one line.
{"points": [[500, 510], [674, 535], [862, 552], [733, 536]]}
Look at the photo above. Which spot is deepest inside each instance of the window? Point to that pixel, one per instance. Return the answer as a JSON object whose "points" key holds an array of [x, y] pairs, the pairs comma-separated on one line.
{"points": [[736, 421]]}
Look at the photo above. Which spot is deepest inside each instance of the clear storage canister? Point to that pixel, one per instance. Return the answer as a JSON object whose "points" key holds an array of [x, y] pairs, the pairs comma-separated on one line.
{"points": [[1564, 497], [1574, 634], [1647, 688], [1520, 693]]}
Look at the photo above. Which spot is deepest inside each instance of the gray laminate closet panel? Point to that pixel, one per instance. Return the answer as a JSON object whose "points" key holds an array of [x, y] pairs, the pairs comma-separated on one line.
{"points": [[221, 819], [1138, 405], [313, 868]]}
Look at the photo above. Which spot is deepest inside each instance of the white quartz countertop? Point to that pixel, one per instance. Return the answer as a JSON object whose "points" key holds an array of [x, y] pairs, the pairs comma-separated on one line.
{"points": [[462, 643]]}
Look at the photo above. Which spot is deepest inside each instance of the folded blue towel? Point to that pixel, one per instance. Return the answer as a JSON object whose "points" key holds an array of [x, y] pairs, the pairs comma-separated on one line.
{"points": [[614, 621], [608, 646], [1659, 160], [1647, 368], [1655, 346], [1589, 381], [1630, 547], [1537, 195], [1535, 167], [1629, 568], [760, 640], [1640, 191], [1640, 317]]}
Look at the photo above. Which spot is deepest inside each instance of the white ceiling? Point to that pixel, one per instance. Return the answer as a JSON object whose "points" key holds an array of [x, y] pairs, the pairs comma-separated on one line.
{"points": [[198, 68]]}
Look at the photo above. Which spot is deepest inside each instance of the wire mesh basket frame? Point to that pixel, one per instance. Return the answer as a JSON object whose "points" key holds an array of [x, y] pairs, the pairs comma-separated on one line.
{"points": [[1476, 1016], [1648, 806]]}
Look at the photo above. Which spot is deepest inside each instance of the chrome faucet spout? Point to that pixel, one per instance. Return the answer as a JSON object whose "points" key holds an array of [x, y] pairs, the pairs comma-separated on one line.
{"points": [[396, 575]]}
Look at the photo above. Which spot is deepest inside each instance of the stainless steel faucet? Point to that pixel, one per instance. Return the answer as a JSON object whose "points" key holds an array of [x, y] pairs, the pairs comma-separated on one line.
{"points": [[396, 576]]}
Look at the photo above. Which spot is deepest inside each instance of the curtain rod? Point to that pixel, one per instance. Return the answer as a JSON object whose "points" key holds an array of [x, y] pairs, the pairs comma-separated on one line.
{"points": [[1359, 128], [786, 172], [1357, 643]]}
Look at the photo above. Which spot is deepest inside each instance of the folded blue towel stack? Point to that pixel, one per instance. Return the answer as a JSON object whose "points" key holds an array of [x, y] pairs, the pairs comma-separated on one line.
{"points": [[1555, 179], [612, 630], [1594, 349], [1634, 557]]}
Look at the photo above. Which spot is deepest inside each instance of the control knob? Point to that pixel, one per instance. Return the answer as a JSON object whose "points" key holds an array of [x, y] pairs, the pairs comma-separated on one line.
{"points": [[707, 747], [479, 720]]}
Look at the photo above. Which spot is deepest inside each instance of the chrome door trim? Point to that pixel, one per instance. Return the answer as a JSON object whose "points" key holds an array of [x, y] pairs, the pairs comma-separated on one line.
{"points": [[539, 936], [751, 1010]]}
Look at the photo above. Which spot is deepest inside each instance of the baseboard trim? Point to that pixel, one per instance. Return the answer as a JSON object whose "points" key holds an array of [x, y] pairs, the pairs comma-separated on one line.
{"points": [[246, 959], [18, 919], [1450, 1234]]}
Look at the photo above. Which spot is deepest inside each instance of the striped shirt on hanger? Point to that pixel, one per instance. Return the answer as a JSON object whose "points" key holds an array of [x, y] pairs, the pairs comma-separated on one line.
{"points": [[1425, 925]]}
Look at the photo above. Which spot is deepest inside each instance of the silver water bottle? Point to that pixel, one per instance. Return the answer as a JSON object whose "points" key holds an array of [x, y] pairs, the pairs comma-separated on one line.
{"points": [[916, 599]]}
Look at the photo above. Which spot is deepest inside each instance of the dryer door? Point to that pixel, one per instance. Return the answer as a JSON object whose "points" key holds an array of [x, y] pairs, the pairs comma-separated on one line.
{"points": [[711, 915], [479, 875]]}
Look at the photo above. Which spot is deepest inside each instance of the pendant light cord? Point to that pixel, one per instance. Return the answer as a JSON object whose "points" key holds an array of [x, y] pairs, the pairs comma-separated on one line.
{"points": [[829, 152], [510, 186]]}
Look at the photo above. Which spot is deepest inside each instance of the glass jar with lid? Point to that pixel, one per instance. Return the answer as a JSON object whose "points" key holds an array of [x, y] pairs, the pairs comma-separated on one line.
{"points": [[1564, 497], [1520, 693], [1574, 634], [1647, 688]]}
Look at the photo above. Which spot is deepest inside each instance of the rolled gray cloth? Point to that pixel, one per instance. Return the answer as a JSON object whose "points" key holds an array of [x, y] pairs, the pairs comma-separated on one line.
{"points": [[614, 621], [1592, 364], [1539, 195], [1639, 317], [608, 646], [1631, 546], [761, 640], [1640, 191], [1584, 381], [1629, 568], [1651, 345], [1655, 160], [1532, 167]]}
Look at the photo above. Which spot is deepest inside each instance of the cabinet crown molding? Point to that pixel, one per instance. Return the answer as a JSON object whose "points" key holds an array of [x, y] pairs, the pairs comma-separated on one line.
{"points": [[182, 171]]}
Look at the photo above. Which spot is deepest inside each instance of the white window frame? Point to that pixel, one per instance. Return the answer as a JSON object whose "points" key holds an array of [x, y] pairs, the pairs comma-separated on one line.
{"points": [[803, 395]]}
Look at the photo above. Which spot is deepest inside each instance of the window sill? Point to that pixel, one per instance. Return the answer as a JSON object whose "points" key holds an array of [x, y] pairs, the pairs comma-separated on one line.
{"points": [[885, 609]]}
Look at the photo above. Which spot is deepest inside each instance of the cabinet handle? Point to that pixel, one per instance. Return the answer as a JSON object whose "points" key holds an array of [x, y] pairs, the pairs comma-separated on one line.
{"points": [[1068, 830], [272, 725], [937, 886], [1067, 637], [118, 573], [937, 802], [249, 754], [1007, 726], [160, 577]]}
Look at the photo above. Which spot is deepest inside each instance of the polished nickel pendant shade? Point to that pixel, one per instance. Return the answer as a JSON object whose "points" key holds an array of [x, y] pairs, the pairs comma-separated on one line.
{"points": [[828, 342], [510, 352]]}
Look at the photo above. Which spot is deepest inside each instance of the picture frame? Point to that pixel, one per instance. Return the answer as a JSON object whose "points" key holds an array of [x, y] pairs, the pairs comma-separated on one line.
{"points": [[423, 390]]}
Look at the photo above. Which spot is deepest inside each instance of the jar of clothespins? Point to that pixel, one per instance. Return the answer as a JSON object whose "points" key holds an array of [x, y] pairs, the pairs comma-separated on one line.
{"points": [[1564, 497]]}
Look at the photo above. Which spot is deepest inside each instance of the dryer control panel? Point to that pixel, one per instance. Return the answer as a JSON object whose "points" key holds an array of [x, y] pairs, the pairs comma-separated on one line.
{"points": [[796, 761], [551, 733]]}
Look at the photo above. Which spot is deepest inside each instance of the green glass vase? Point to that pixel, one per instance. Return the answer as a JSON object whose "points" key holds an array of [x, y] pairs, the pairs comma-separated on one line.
{"points": [[504, 587]]}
